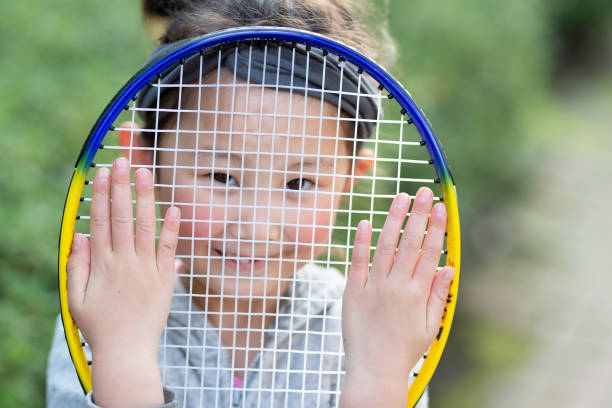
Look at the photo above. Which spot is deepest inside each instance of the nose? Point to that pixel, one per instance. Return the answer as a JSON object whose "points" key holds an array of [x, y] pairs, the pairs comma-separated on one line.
{"points": [[256, 221]]}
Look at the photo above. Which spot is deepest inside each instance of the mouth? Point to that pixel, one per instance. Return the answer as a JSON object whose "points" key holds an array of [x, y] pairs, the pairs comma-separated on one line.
{"points": [[239, 263]]}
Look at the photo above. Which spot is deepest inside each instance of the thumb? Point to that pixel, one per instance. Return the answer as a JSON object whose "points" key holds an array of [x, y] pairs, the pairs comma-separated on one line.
{"points": [[178, 266], [78, 271], [438, 297]]}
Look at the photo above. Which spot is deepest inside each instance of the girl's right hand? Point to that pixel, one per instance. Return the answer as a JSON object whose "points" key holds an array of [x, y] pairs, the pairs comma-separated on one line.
{"points": [[119, 289]]}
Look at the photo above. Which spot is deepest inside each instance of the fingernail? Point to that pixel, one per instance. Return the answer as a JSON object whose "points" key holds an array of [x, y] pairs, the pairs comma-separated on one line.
{"points": [[140, 176], [121, 163], [102, 175], [178, 265], [448, 277], [363, 227], [76, 242], [424, 194], [401, 201], [173, 212], [442, 208]]}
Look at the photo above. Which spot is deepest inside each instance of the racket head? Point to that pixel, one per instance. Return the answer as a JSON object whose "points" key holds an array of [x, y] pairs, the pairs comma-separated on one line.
{"points": [[182, 50]]}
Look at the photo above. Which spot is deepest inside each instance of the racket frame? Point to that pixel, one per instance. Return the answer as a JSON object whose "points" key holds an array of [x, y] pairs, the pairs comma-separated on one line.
{"points": [[187, 48]]}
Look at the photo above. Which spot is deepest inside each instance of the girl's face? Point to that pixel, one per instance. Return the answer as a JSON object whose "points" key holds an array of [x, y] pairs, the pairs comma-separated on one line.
{"points": [[257, 200]]}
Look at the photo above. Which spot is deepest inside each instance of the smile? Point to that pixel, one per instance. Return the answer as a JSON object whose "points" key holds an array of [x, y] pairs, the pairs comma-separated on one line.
{"points": [[240, 264]]}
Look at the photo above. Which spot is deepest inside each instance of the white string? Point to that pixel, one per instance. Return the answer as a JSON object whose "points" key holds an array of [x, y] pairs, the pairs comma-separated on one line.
{"points": [[231, 127], [193, 231], [220, 327], [254, 229], [282, 218], [154, 175], [293, 286], [289, 315]]}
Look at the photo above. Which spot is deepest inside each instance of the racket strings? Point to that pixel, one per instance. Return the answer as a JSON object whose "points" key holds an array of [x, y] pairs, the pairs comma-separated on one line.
{"points": [[287, 338]]}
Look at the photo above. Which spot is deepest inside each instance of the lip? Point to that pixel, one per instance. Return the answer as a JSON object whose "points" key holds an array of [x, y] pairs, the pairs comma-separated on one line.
{"points": [[240, 263]]}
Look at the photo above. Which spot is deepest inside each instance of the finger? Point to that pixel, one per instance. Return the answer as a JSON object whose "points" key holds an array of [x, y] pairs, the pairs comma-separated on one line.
{"points": [[99, 221], [145, 213], [122, 214], [387, 240], [432, 247], [360, 260], [412, 238], [178, 266], [78, 271], [437, 299], [168, 239]]}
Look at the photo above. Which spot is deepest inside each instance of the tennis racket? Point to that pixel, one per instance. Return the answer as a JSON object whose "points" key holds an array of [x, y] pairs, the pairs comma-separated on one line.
{"points": [[244, 103]]}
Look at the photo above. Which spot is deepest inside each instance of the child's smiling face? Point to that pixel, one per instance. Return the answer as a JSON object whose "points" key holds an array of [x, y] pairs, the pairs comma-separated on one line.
{"points": [[258, 199]]}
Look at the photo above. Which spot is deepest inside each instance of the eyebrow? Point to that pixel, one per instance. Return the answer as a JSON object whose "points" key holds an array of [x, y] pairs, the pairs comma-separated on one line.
{"points": [[236, 158], [323, 163]]}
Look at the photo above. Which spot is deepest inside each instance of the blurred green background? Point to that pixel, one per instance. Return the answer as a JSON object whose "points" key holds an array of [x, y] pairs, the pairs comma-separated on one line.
{"points": [[519, 92]]}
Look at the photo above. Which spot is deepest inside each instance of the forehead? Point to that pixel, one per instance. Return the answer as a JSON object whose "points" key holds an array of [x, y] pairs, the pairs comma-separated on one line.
{"points": [[227, 112]]}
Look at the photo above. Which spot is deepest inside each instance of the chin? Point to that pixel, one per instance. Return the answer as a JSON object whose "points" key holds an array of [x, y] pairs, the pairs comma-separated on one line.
{"points": [[243, 288]]}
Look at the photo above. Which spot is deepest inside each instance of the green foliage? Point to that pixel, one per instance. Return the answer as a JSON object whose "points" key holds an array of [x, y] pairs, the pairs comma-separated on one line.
{"points": [[475, 67], [60, 63]]}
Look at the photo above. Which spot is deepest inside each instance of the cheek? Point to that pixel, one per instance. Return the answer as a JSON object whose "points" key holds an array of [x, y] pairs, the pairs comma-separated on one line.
{"points": [[209, 220], [314, 226], [202, 220]]}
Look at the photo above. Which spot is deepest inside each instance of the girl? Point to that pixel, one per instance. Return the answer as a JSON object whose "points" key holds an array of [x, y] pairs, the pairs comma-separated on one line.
{"points": [[251, 211]]}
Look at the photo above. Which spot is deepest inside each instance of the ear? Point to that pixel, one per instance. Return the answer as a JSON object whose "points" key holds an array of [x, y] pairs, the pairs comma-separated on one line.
{"points": [[363, 163], [132, 142]]}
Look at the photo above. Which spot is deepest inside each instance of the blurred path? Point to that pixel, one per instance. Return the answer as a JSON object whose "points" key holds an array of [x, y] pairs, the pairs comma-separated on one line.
{"points": [[561, 296]]}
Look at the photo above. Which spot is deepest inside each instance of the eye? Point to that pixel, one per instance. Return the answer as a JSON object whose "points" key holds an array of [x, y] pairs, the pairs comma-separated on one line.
{"points": [[223, 178], [299, 184]]}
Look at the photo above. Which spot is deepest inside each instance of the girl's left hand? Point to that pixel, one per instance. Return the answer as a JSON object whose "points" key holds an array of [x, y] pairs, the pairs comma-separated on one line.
{"points": [[392, 314]]}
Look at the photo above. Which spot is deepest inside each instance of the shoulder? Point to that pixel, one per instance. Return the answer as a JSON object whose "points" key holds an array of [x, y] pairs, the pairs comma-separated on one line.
{"points": [[318, 282]]}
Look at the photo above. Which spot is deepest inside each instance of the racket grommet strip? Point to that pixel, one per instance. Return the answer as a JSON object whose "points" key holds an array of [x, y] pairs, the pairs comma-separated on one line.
{"points": [[439, 333]]}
